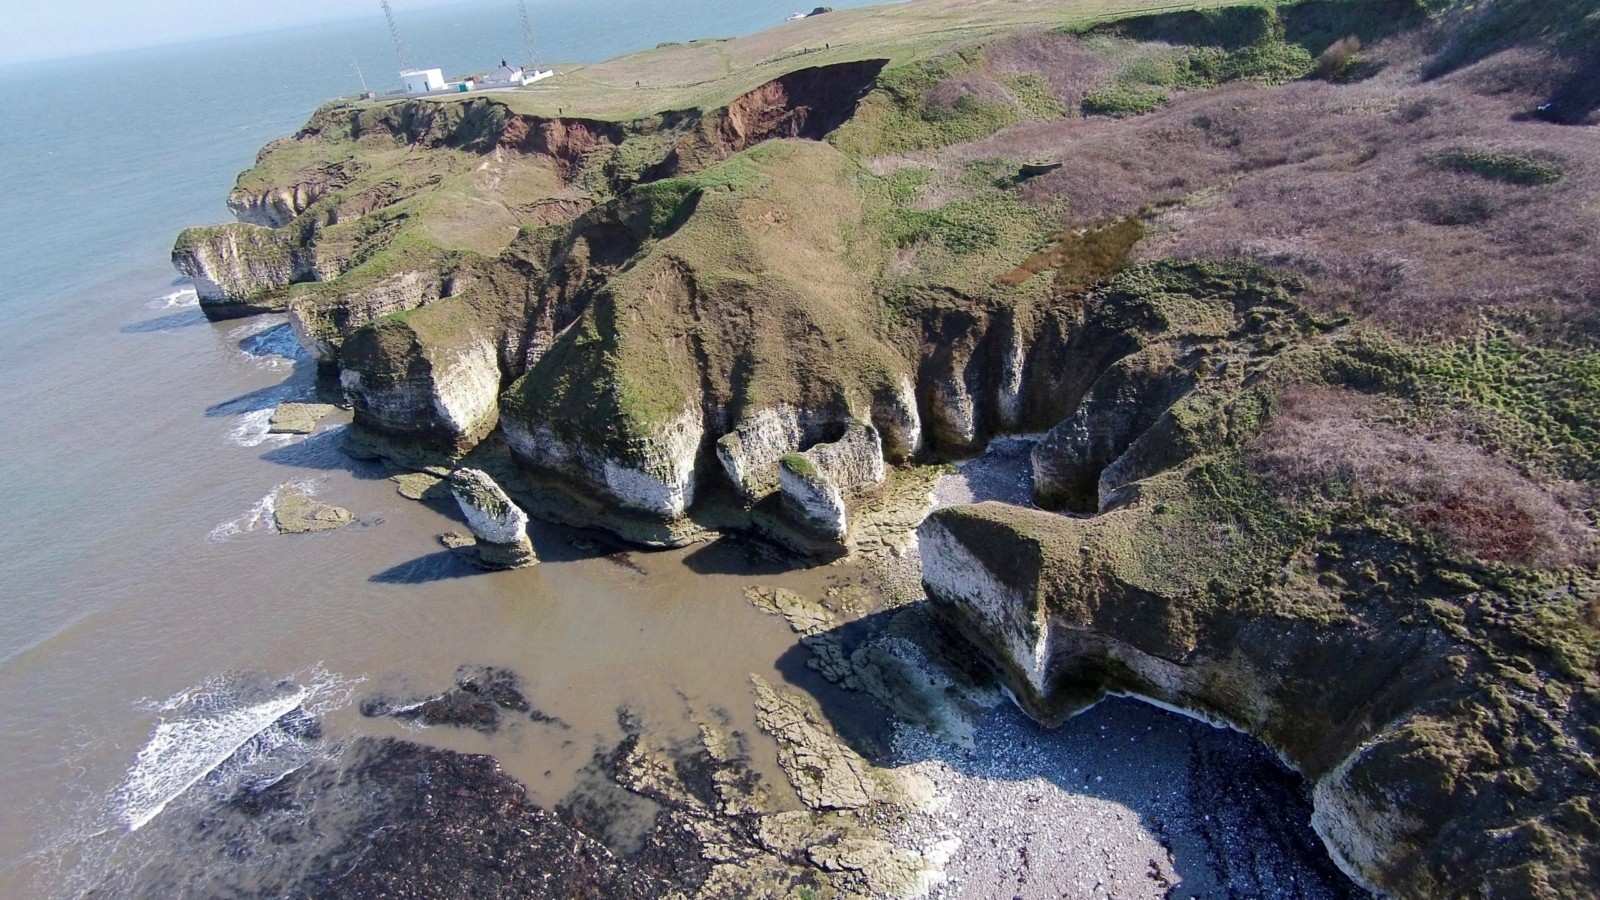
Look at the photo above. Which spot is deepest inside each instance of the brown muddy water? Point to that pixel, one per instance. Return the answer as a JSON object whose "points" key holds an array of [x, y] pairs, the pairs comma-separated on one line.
{"points": [[180, 623]]}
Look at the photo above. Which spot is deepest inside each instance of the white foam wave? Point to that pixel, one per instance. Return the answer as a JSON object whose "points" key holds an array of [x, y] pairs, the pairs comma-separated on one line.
{"points": [[227, 722], [261, 515], [251, 430], [268, 342], [183, 298], [183, 751]]}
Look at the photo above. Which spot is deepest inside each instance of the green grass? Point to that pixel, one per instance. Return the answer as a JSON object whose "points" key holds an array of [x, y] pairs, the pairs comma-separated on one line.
{"points": [[664, 205], [898, 117], [1503, 167], [799, 465], [1034, 95]]}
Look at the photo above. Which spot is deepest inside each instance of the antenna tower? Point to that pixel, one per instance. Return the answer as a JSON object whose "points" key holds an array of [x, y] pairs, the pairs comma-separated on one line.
{"points": [[394, 32], [527, 33]]}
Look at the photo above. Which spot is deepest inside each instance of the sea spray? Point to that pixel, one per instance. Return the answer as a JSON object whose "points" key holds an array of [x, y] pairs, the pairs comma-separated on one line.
{"points": [[261, 515], [252, 430]]}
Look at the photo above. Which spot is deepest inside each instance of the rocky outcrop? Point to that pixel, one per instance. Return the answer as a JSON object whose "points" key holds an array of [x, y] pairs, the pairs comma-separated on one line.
{"points": [[817, 484], [274, 207], [425, 383], [825, 772], [1072, 464], [324, 319], [894, 414], [1382, 711], [500, 527], [655, 475], [236, 268], [296, 511], [298, 418]]}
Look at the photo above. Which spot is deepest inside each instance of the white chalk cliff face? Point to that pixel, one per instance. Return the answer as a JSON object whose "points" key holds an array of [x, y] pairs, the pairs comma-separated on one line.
{"points": [[818, 484], [322, 323], [655, 477], [955, 575], [490, 513], [899, 424], [236, 263], [273, 208], [445, 395], [500, 527], [750, 454], [466, 386]]}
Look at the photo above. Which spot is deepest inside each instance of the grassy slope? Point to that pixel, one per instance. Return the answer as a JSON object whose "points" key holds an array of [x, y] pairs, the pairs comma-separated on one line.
{"points": [[710, 73]]}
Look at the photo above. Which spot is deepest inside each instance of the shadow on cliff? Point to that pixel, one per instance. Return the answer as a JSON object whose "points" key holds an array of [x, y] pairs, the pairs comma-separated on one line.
{"points": [[1234, 820]]}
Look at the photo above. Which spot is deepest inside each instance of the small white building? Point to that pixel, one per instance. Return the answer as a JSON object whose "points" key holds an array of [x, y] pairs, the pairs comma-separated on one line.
{"points": [[505, 76], [422, 81], [514, 76]]}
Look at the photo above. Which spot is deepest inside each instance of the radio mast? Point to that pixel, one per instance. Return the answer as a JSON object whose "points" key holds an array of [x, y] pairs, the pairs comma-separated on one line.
{"points": [[527, 34], [394, 33]]}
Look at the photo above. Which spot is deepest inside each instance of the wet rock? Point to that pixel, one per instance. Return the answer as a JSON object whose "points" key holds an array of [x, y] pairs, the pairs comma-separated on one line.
{"points": [[295, 511], [804, 616], [825, 772], [501, 529], [298, 418], [481, 696], [420, 822], [417, 485]]}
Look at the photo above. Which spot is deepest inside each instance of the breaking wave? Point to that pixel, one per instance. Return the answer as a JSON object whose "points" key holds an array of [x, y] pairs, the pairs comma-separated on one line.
{"points": [[260, 517], [252, 429], [182, 298], [233, 731], [269, 343]]}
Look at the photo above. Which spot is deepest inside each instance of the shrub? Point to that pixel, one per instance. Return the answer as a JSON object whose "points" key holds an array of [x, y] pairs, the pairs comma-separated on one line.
{"points": [[1035, 96], [1459, 210], [1335, 60], [1124, 102], [1504, 167]]}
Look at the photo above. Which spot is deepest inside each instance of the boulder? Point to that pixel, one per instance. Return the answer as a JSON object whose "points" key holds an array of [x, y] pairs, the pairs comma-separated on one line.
{"points": [[297, 418], [295, 511]]}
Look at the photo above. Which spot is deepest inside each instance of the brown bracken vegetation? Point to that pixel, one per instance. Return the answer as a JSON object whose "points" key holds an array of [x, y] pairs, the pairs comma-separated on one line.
{"points": [[1341, 184], [1334, 441]]}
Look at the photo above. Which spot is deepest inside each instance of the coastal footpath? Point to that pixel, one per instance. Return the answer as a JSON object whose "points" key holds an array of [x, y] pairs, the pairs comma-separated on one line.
{"points": [[1297, 302]]}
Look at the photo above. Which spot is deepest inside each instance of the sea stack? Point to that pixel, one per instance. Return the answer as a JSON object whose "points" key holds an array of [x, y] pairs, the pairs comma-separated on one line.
{"points": [[500, 527]]}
